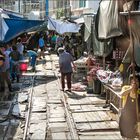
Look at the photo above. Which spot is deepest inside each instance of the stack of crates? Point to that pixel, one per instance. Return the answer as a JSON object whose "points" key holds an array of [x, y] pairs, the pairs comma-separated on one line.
{"points": [[80, 73]]}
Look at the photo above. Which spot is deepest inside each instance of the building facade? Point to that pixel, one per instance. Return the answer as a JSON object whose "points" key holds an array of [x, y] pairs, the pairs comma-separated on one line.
{"points": [[68, 8], [56, 8], [24, 7], [79, 7], [59, 8]]}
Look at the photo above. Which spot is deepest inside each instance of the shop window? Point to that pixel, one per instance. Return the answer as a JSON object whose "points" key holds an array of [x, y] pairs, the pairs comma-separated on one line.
{"points": [[82, 3]]}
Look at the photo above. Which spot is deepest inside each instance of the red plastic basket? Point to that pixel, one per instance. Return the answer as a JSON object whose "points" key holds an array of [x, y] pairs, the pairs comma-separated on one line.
{"points": [[23, 67]]}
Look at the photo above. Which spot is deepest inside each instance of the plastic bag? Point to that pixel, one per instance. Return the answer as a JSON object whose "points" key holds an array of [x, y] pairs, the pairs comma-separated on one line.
{"points": [[121, 67], [117, 82], [39, 50]]}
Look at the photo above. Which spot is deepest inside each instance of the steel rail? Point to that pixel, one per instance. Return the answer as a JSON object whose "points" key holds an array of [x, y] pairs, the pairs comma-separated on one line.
{"points": [[73, 132], [10, 112], [29, 109], [9, 116]]}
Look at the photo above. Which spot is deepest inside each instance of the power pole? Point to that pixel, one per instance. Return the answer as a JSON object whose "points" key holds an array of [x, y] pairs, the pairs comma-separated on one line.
{"points": [[3, 4], [24, 4], [47, 8], [65, 10], [19, 6]]}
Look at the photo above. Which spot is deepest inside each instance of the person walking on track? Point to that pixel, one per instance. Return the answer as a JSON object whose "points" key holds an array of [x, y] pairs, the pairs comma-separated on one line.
{"points": [[65, 63]]}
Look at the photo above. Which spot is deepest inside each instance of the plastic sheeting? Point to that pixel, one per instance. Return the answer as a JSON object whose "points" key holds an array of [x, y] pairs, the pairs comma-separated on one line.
{"points": [[62, 27], [79, 20], [10, 14], [107, 20], [3, 30], [102, 48], [99, 48], [87, 21], [34, 15]]}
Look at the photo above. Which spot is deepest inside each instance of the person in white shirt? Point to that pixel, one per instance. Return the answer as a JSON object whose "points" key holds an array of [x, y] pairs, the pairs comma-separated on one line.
{"points": [[20, 47]]}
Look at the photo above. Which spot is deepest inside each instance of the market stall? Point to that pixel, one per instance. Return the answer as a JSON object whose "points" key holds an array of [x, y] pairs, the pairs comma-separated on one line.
{"points": [[125, 25]]}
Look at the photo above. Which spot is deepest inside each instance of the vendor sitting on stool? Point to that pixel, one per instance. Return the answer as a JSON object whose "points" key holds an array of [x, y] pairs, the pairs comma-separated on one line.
{"points": [[32, 57]]}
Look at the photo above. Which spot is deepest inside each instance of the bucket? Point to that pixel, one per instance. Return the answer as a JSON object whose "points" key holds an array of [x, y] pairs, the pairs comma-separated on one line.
{"points": [[23, 67], [96, 86]]}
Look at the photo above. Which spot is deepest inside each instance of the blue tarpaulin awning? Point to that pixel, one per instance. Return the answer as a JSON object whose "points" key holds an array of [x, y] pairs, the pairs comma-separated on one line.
{"points": [[12, 25], [16, 27], [11, 14]]}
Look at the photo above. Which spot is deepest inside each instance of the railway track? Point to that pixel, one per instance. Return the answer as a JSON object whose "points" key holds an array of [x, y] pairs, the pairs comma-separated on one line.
{"points": [[69, 121], [11, 120], [27, 122], [73, 135], [60, 116]]}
